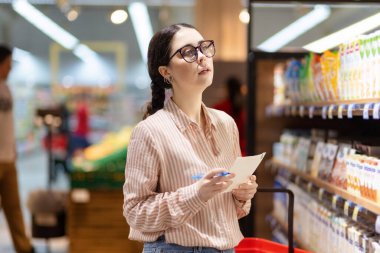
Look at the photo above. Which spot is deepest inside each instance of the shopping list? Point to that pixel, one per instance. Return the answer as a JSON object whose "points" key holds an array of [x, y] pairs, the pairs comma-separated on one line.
{"points": [[243, 168]]}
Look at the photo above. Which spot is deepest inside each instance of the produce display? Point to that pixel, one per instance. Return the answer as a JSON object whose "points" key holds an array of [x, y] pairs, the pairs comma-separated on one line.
{"points": [[102, 165]]}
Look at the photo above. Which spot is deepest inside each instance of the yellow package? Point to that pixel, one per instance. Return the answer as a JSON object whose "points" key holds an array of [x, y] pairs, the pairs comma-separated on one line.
{"points": [[330, 67]]}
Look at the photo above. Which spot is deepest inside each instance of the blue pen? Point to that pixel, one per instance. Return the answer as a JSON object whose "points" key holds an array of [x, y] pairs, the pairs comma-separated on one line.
{"points": [[200, 175]]}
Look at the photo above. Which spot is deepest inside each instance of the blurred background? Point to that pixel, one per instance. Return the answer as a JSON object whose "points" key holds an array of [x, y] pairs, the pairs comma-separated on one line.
{"points": [[80, 83]]}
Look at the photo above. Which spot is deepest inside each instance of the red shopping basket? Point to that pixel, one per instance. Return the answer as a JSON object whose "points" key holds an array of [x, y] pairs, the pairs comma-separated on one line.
{"points": [[257, 245]]}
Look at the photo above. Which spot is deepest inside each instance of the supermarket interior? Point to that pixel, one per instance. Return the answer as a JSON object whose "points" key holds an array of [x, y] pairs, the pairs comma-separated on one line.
{"points": [[308, 79]]}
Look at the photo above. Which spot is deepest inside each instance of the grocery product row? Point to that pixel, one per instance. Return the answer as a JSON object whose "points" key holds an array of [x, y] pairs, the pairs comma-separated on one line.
{"points": [[349, 164], [316, 221], [347, 74]]}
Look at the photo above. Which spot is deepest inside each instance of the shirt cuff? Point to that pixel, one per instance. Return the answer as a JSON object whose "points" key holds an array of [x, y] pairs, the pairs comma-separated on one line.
{"points": [[190, 196], [239, 203], [242, 207]]}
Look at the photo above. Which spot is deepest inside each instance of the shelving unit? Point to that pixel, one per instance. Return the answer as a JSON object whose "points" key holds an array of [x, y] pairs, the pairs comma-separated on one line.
{"points": [[265, 123], [332, 189], [284, 227], [368, 109]]}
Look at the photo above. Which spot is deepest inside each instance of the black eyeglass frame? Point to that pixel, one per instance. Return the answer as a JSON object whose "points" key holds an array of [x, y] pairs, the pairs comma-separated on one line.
{"points": [[196, 50]]}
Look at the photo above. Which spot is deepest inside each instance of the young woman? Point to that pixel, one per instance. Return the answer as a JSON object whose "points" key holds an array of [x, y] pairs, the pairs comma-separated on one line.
{"points": [[165, 204]]}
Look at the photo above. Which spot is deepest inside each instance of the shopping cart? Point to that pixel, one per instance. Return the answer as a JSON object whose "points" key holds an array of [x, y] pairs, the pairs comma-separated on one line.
{"points": [[258, 245]]}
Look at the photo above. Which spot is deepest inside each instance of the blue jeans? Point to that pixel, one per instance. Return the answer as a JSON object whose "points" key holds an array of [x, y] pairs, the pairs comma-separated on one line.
{"points": [[160, 246]]}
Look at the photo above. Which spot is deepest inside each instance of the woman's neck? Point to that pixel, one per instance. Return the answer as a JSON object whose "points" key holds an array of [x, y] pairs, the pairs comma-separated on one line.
{"points": [[191, 105]]}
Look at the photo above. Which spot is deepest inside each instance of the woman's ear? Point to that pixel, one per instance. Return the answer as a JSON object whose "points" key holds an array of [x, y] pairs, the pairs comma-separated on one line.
{"points": [[163, 70]]}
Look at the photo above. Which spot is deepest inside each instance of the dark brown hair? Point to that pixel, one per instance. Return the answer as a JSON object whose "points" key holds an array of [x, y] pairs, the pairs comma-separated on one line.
{"points": [[158, 55], [5, 52]]}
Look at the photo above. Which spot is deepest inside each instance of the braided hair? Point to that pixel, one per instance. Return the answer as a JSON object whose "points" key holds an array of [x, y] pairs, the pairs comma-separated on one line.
{"points": [[158, 55], [5, 52]]}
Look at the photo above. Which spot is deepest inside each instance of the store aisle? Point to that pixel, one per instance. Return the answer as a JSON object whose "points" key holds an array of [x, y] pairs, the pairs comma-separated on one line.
{"points": [[32, 175]]}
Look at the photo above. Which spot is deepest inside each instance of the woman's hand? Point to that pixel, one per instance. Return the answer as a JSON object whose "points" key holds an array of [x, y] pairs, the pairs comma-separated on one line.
{"points": [[211, 184], [246, 191]]}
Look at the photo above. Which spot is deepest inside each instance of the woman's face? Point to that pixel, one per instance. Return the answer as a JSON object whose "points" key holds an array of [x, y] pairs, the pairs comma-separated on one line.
{"points": [[194, 76]]}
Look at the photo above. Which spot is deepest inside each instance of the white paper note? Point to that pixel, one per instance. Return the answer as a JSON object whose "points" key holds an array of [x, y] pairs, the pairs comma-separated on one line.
{"points": [[244, 167]]}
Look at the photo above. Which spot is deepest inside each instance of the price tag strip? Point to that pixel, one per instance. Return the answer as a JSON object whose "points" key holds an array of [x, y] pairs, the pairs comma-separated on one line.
{"points": [[366, 109], [376, 109], [334, 200], [311, 112], [302, 110], [347, 205], [324, 111], [351, 107], [330, 112], [340, 111], [355, 214]]}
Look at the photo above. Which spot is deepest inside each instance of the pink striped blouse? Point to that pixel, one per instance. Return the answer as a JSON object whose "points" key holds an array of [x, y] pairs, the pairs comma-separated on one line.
{"points": [[160, 196]]}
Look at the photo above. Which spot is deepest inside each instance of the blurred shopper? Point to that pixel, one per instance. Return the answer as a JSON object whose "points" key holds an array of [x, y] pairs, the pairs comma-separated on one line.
{"points": [[10, 200], [60, 154], [79, 137], [233, 104], [173, 196]]}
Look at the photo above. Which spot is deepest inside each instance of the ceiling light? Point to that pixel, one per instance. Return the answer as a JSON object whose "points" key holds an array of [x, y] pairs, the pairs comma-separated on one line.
{"points": [[345, 34], [52, 30], [142, 26], [72, 15], [45, 24], [86, 54], [244, 16], [119, 17], [294, 30]]}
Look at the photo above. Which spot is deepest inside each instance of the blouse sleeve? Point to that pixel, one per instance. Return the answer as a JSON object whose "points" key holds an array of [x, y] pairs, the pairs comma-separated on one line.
{"points": [[242, 209], [144, 208]]}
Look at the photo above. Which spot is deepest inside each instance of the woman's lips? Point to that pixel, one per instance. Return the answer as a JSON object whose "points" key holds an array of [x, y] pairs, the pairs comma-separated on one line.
{"points": [[204, 71]]}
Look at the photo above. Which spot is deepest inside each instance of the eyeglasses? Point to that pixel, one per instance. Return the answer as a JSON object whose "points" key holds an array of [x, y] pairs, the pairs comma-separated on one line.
{"points": [[190, 53]]}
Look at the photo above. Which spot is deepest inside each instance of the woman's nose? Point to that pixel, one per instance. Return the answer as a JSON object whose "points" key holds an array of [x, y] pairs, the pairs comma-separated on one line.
{"points": [[201, 56]]}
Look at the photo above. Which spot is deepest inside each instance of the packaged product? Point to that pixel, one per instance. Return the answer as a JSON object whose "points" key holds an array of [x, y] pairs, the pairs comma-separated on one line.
{"points": [[330, 67], [338, 175]]}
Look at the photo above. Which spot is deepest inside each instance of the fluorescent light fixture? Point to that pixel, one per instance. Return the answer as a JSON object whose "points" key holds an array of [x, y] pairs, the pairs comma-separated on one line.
{"points": [[294, 30], [142, 26], [45, 24], [53, 31], [20, 55], [86, 54], [345, 34]]}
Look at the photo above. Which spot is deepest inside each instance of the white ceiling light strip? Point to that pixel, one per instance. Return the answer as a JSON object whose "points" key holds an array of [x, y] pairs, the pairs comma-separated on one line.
{"points": [[45, 24], [52, 30], [86, 54], [142, 26], [294, 30], [345, 34]]}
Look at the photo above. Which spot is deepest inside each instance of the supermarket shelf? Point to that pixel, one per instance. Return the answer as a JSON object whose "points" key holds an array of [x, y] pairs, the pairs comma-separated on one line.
{"points": [[284, 226], [366, 108], [367, 204], [339, 102]]}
